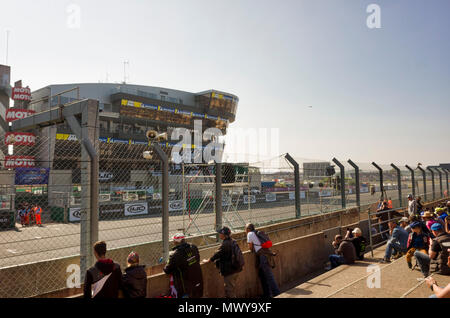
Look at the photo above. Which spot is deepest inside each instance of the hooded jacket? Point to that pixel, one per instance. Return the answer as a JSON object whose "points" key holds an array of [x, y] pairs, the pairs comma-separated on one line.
{"points": [[112, 285], [134, 282]]}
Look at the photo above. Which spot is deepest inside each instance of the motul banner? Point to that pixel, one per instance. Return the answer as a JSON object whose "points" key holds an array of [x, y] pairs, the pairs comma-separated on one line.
{"points": [[19, 162], [13, 114], [20, 139], [21, 93]]}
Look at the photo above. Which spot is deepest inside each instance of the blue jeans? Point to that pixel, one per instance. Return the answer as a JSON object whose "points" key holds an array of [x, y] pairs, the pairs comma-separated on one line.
{"points": [[269, 285], [336, 260], [424, 262], [383, 227], [393, 246]]}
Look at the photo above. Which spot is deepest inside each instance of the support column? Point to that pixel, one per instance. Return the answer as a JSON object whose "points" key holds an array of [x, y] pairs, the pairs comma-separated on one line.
{"points": [[342, 169], [358, 189], [381, 179], [219, 212], [412, 180], [399, 183], [297, 184], [432, 182]]}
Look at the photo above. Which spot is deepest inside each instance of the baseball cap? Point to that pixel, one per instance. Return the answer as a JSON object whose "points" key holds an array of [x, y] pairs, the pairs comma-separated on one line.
{"points": [[415, 224], [436, 227], [224, 231], [410, 196], [357, 230], [133, 258], [404, 219], [179, 237]]}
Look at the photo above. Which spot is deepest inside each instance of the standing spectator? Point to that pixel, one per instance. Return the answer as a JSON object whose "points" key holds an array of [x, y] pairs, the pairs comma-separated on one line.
{"points": [[390, 206], [26, 214], [223, 260], [269, 285], [417, 241], [438, 291], [37, 210], [184, 265], [384, 214], [104, 279], [412, 205], [345, 252], [404, 224], [134, 281], [419, 205], [358, 241], [22, 212], [397, 242], [437, 249]]}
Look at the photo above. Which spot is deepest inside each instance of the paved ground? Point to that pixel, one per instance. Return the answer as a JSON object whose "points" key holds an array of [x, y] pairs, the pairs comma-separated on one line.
{"points": [[396, 281]]}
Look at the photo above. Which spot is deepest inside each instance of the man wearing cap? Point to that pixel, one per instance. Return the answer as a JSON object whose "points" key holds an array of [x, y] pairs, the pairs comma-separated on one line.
{"points": [[404, 224], [412, 205], [358, 241], [223, 259], [417, 241], [134, 281], [184, 265], [397, 242], [441, 213], [436, 250]]}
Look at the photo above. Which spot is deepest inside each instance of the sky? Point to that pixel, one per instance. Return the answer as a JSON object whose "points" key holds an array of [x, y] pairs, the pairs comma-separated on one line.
{"points": [[312, 69]]}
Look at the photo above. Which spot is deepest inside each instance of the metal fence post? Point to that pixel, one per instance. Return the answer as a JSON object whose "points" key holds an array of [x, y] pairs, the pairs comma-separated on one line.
{"points": [[342, 169], [432, 182], [297, 184], [381, 179], [424, 177], [219, 211], [413, 180], [446, 178], [440, 182], [358, 190], [399, 184], [165, 199]]}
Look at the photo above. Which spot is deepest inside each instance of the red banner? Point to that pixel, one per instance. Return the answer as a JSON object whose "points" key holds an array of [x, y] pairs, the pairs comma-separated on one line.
{"points": [[19, 162], [21, 93], [20, 139], [13, 114]]}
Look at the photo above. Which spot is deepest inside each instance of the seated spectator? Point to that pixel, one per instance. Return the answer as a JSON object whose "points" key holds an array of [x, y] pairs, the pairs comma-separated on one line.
{"points": [[416, 218], [134, 281], [417, 241], [397, 242], [438, 291], [429, 219], [404, 224], [441, 215], [345, 252], [358, 241], [437, 251]]}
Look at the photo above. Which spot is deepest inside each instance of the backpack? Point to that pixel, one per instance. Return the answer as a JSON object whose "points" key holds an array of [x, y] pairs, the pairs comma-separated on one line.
{"points": [[237, 259], [264, 239]]}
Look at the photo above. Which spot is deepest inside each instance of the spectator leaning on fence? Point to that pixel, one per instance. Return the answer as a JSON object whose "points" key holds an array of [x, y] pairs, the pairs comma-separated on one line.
{"points": [[263, 255], [184, 265], [345, 252], [223, 260], [397, 242], [412, 205], [134, 280], [436, 251], [104, 279], [417, 241], [438, 291]]}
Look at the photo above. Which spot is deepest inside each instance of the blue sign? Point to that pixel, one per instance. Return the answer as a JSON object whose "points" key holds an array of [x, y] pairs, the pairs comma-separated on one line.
{"points": [[26, 176]]}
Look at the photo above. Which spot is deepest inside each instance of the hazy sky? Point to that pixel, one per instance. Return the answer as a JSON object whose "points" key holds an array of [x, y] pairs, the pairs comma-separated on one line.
{"points": [[376, 94]]}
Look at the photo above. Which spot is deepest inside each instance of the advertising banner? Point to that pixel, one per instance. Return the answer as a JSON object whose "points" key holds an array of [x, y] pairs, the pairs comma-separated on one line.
{"points": [[252, 199], [19, 162], [26, 176], [136, 208], [325, 193], [271, 197], [21, 93], [176, 205], [20, 139], [292, 195], [111, 211], [75, 214], [13, 114]]}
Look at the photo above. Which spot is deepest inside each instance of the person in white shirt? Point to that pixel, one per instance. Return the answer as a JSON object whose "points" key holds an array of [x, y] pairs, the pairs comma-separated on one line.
{"points": [[269, 285]]}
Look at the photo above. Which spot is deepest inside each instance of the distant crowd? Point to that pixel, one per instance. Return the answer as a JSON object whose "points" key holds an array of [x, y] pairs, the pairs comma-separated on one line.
{"points": [[29, 214]]}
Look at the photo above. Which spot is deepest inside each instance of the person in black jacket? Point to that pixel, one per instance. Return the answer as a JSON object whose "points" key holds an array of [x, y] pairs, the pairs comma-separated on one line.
{"points": [[104, 279], [223, 260], [134, 281], [184, 265]]}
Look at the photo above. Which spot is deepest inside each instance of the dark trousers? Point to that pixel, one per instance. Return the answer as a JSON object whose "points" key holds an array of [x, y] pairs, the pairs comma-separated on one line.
{"points": [[336, 260], [269, 285]]}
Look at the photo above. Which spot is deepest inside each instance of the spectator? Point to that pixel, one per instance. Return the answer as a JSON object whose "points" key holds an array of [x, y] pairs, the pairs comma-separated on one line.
{"points": [[419, 205], [412, 205], [22, 212], [384, 214], [134, 281], [404, 224], [269, 285], [442, 214], [397, 242], [429, 220], [447, 224], [223, 260], [358, 241], [437, 250], [345, 252], [416, 218], [438, 291], [417, 241], [390, 206], [184, 265], [104, 279], [37, 210]]}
